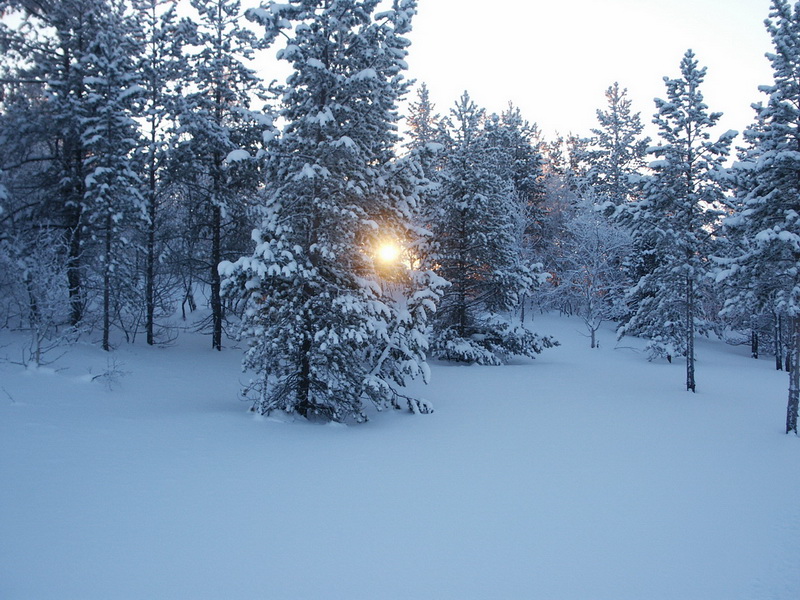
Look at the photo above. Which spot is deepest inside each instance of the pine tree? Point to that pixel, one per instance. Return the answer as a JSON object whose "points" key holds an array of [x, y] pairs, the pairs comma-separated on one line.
{"points": [[765, 273], [616, 154], [109, 135], [425, 136], [614, 161], [675, 218], [46, 112], [329, 325], [215, 121], [423, 121], [520, 140], [478, 236]]}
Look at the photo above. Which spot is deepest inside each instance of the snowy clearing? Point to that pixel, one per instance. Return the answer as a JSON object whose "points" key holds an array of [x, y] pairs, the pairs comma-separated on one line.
{"points": [[582, 474]]}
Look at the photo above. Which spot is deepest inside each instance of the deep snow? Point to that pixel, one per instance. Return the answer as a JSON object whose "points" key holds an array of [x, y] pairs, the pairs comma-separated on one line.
{"points": [[585, 474]]}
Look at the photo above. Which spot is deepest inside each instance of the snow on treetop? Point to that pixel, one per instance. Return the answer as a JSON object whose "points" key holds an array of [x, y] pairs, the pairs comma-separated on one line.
{"points": [[366, 74], [658, 164], [322, 117], [346, 141], [288, 53], [307, 172], [237, 156]]}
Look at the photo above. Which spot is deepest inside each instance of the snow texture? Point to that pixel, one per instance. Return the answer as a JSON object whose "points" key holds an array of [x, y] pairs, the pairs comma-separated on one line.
{"points": [[582, 474]]}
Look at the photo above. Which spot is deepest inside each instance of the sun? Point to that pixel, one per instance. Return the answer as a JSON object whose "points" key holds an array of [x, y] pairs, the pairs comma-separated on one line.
{"points": [[388, 252]]}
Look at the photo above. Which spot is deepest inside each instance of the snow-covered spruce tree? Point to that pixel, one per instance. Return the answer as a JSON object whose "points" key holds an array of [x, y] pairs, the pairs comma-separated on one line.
{"points": [[546, 235], [329, 327], [615, 156], [425, 132], [767, 271], [109, 136], [519, 139], [425, 136], [423, 121], [674, 220], [749, 303], [478, 237], [613, 161], [215, 121]]}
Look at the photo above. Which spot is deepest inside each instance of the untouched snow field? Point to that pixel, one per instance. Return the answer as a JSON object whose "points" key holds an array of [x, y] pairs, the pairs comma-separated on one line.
{"points": [[585, 475]]}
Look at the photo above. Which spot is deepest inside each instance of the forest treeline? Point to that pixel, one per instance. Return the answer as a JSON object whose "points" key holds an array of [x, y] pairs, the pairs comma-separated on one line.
{"points": [[145, 167]]}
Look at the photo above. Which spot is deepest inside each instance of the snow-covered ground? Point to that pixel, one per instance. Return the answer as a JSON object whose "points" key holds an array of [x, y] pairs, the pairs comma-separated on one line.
{"points": [[585, 474]]}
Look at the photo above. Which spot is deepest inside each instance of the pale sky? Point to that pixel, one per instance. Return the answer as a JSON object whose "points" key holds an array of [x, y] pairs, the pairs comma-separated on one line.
{"points": [[555, 60]]}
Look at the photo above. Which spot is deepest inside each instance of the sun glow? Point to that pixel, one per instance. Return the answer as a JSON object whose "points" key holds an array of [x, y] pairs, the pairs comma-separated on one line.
{"points": [[388, 252]]}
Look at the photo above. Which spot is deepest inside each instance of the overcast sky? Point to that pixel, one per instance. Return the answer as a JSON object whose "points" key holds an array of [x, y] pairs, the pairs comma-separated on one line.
{"points": [[556, 59]]}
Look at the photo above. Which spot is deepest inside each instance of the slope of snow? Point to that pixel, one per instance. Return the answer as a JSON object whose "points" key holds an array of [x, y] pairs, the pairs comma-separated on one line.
{"points": [[582, 474]]}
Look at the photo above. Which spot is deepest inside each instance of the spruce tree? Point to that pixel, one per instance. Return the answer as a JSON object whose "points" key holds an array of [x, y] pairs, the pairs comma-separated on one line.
{"points": [[615, 157], [675, 218], [330, 325], [478, 234], [765, 273], [423, 121], [426, 134], [614, 161], [109, 135], [215, 121], [520, 141]]}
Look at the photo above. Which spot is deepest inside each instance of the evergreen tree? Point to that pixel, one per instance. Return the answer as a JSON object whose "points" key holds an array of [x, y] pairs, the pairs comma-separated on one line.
{"points": [[753, 309], [109, 136], [675, 218], [616, 154], [423, 121], [425, 145], [519, 140], [765, 273], [478, 234], [46, 111], [215, 121], [329, 326], [614, 161]]}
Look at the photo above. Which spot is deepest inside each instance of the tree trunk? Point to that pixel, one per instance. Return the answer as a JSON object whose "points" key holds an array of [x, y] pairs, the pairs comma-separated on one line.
{"points": [[150, 260], [690, 383], [72, 197], [753, 339], [107, 284], [794, 376], [778, 344], [74, 266], [216, 257], [303, 405]]}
